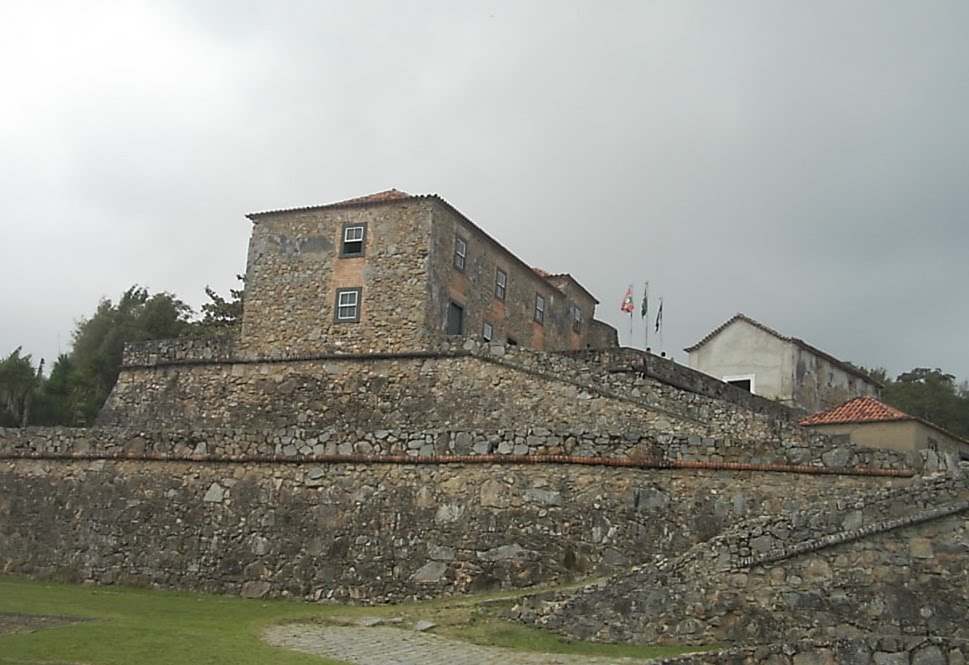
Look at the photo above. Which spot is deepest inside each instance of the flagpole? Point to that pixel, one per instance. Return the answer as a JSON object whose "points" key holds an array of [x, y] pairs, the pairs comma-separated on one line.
{"points": [[632, 306], [645, 315], [659, 324], [628, 307]]}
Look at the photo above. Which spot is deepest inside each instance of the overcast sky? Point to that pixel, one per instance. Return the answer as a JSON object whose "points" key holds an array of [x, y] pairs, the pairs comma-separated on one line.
{"points": [[805, 163]]}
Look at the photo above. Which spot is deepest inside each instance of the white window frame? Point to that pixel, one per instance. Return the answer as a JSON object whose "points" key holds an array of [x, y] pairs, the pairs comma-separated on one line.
{"points": [[501, 284], [348, 299], [539, 308], [576, 320], [742, 377], [460, 253], [349, 236], [487, 332]]}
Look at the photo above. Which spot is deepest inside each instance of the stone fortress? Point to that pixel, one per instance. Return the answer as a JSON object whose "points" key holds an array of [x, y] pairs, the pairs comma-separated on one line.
{"points": [[411, 411]]}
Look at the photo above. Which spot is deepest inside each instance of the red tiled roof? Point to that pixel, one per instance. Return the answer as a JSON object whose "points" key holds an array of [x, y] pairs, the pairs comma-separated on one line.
{"points": [[388, 195], [541, 273], [851, 369], [865, 409]]}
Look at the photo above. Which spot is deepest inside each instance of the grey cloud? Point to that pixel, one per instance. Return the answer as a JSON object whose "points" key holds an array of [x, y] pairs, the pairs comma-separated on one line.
{"points": [[801, 162]]}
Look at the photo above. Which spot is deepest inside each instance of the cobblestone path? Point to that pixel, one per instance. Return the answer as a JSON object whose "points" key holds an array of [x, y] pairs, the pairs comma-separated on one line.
{"points": [[379, 645]]}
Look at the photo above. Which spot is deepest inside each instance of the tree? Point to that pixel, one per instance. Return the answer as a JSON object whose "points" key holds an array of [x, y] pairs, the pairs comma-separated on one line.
{"points": [[99, 343], [932, 395], [59, 396], [221, 316], [81, 381], [18, 384]]}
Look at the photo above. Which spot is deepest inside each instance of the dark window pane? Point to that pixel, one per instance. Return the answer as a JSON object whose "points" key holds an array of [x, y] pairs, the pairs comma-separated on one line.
{"points": [[455, 319]]}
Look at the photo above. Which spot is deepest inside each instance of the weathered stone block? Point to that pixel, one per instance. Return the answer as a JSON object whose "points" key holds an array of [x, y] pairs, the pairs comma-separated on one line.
{"points": [[432, 571]]}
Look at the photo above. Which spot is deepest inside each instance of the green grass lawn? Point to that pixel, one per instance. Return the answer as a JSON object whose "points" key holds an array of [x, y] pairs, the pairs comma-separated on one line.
{"points": [[144, 626], [164, 627]]}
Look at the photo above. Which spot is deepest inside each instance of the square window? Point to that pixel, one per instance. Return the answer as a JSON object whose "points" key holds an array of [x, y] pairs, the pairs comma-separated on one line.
{"points": [[539, 309], [348, 305], [354, 240], [487, 332], [501, 284], [460, 253], [576, 320]]}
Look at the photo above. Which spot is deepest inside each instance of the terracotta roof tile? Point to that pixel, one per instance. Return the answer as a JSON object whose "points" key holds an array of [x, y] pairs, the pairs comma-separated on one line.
{"points": [[388, 195], [865, 409]]}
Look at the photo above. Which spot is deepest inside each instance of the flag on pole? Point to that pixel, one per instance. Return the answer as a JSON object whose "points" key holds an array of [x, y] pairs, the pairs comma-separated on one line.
{"points": [[659, 316], [627, 302], [644, 312]]}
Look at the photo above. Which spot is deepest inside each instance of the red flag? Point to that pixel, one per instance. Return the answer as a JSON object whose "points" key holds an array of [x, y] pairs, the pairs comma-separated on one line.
{"points": [[627, 302]]}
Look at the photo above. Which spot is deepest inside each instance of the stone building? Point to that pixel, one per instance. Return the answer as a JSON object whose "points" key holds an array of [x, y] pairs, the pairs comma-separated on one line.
{"points": [[748, 354], [392, 272], [868, 422]]}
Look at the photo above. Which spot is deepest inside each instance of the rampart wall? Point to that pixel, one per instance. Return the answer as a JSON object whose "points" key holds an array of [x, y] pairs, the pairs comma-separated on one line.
{"points": [[463, 400], [889, 562], [368, 531]]}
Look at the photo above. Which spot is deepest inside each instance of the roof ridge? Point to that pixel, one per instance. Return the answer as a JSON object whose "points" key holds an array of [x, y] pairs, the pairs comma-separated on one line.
{"points": [[386, 196], [740, 316]]}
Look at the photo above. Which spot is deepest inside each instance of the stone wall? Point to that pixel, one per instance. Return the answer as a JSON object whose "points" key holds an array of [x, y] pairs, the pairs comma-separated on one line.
{"points": [[181, 350], [891, 562], [683, 378], [367, 531], [531, 402], [868, 650]]}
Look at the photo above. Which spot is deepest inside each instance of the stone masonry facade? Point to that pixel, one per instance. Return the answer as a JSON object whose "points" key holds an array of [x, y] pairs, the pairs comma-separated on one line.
{"points": [[393, 273]]}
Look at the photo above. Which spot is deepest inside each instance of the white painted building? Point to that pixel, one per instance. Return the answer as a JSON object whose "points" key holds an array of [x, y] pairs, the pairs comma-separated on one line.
{"points": [[748, 354]]}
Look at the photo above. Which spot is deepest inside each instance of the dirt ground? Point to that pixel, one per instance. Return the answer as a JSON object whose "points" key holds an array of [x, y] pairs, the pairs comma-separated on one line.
{"points": [[19, 622]]}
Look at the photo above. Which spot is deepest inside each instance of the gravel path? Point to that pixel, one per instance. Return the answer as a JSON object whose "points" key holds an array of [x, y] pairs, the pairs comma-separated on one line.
{"points": [[379, 645]]}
